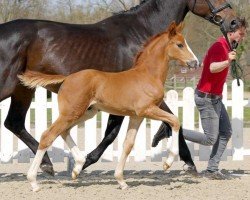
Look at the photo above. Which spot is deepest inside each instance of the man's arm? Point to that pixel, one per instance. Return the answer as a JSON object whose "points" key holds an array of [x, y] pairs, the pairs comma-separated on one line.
{"points": [[216, 67]]}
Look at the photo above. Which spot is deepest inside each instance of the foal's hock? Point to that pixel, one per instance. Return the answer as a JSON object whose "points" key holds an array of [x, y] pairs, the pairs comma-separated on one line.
{"points": [[137, 93]]}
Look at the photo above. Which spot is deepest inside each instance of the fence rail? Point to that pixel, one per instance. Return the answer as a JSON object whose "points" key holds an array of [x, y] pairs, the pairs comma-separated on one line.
{"points": [[89, 134]]}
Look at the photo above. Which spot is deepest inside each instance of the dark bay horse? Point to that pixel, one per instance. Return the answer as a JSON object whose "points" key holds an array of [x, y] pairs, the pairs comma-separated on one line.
{"points": [[109, 45], [111, 92]]}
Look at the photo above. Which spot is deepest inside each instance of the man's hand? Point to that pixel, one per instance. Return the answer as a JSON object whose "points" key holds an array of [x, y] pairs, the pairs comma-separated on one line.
{"points": [[231, 56]]}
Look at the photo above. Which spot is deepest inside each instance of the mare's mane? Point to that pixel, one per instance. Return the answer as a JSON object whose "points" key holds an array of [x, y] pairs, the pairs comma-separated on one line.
{"points": [[134, 8]]}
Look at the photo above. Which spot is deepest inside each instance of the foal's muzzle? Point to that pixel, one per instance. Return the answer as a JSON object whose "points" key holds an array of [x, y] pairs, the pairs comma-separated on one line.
{"points": [[193, 64]]}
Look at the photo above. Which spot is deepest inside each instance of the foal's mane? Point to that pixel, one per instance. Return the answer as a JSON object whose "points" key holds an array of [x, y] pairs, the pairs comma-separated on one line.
{"points": [[146, 45]]}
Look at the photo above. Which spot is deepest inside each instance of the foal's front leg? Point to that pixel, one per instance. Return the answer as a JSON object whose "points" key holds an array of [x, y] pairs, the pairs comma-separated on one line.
{"points": [[134, 124], [77, 155], [156, 113]]}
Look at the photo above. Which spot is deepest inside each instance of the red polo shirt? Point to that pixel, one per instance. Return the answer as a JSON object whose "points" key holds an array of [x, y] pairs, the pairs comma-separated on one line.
{"points": [[213, 82]]}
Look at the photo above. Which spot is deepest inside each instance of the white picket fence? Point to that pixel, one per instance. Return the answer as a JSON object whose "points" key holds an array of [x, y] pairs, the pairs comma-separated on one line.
{"points": [[88, 135]]}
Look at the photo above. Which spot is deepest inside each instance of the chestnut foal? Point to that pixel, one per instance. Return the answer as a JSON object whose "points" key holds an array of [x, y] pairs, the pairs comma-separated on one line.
{"points": [[136, 93]]}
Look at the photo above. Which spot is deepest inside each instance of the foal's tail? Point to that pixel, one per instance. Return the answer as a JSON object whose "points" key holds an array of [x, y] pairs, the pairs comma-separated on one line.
{"points": [[32, 79]]}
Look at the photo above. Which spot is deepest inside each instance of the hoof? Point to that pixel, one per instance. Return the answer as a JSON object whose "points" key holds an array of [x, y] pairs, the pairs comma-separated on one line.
{"points": [[77, 169], [74, 175], [190, 170], [48, 169], [124, 186], [35, 186], [36, 189], [166, 166]]}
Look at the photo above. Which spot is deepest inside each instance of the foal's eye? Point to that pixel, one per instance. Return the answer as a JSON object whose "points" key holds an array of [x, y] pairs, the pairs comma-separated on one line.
{"points": [[180, 45]]}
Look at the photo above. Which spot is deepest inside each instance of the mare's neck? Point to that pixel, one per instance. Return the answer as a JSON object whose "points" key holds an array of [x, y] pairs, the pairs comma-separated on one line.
{"points": [[157, 15]]}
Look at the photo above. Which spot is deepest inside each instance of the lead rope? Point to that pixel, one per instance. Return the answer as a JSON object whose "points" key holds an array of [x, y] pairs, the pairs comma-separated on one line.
{"points": [[236, 70]]}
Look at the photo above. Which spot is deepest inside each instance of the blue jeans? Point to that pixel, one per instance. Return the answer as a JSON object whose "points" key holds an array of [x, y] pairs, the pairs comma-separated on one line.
{"points": [[217, 128]]}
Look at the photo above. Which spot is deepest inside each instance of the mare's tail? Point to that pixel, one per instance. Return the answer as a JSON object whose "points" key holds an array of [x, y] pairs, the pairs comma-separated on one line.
{"points": [[32, 79]]}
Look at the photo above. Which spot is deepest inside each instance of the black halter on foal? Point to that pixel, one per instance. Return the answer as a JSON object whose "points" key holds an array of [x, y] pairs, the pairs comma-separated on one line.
{"points": [[213, 17]]}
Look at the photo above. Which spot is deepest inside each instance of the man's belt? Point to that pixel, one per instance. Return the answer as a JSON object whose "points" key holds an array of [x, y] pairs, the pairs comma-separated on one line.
{"points": [[207, 95]]}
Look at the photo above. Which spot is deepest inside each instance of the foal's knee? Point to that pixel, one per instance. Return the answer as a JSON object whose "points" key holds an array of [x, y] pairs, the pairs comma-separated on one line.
{"points": [[176, 124]]}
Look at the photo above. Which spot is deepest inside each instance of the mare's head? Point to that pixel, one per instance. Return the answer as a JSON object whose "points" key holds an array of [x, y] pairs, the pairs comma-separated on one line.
{"points": [[177, 47], [218, 12]]}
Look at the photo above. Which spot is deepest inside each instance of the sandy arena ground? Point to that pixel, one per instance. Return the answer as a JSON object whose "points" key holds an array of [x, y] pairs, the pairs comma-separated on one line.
{"points": [[146, 181]]}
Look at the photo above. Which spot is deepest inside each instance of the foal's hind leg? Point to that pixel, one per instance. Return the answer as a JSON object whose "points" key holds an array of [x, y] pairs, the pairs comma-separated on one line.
{"points": [[58, 127], [156, 113], [134, 124]]}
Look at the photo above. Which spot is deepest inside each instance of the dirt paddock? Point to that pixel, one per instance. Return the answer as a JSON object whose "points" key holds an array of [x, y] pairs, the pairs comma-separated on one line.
{"points": [[146, 181]]}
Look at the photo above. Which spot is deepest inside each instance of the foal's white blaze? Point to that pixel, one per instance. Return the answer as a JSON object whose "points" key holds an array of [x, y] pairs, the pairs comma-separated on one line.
{"points": [[190, 50], [32, 173], [173, 151], [77, 155]]}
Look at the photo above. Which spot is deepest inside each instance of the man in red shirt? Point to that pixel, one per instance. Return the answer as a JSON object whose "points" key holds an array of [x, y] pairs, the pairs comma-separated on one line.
{"points": [[208, 99]]}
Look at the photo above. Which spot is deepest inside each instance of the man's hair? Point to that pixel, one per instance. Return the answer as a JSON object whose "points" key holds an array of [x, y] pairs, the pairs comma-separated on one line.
{"points": [[242, 23]]}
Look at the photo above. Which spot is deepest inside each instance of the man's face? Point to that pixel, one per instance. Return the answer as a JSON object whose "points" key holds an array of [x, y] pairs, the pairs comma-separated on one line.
{"points": [[238, 35]]}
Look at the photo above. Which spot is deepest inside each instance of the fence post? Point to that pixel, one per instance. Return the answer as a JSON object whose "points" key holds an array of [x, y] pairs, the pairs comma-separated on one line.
{"points": [[90, 134], [188, 113], [6, 135], [225, 102], [237, 120], [40, 112]]}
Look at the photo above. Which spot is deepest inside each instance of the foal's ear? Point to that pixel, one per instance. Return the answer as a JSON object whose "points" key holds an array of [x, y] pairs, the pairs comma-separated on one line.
{"points": [[172, 29], [180, 27]]}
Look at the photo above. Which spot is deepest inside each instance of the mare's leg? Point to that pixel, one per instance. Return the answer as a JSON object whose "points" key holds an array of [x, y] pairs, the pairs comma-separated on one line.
{"points": [[113, 127], [61, 125], [134, 124], [156, 113], [15, 122], [165, 131]]}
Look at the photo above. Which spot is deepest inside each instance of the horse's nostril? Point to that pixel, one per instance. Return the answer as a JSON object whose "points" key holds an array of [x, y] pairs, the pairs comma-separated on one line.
{"points": [[233, 25], [193, 63]]}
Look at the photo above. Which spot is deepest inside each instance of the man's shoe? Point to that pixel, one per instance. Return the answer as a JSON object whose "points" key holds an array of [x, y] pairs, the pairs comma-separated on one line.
{"points": [[215, 175]]}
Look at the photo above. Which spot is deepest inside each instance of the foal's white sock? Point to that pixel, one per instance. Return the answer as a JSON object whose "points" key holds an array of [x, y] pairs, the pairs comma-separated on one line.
{"points": [[32, 173], [174, 149], [77, 155]]}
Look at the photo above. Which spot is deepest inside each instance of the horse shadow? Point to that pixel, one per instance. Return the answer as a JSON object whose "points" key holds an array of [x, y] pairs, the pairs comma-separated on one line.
{"points": [[134, 178], [173, 179]]}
